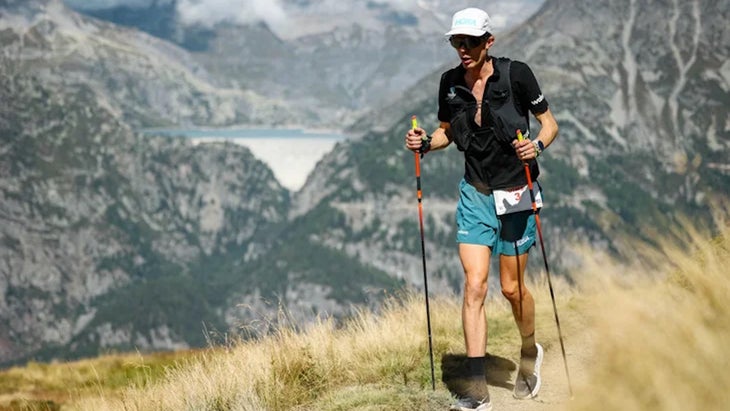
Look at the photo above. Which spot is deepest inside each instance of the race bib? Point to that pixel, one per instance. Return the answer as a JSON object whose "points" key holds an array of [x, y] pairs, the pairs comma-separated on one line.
{"points": [[516, 199]]}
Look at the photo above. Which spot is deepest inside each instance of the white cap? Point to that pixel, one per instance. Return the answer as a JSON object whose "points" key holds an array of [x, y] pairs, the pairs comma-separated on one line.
{"points": [[472, 22]]}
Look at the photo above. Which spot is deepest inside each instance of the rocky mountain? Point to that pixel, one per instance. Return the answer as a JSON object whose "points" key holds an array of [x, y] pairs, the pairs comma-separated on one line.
{"points": [[112, 239], [331, 59], [101, 227], [116, 240], [149, 81]]}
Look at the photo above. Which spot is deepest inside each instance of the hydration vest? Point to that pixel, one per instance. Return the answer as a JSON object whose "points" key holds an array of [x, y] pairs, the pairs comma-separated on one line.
{"points": [[491, 162]]}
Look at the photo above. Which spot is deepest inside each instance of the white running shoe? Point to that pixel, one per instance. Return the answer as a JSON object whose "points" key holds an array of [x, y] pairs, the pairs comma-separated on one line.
{"points": [[472, 395], [469, 404], [528, 384]]}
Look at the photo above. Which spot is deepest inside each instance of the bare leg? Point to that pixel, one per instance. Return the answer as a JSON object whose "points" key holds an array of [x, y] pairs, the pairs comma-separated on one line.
{"points": [[512, 271], [512, 279], [475, 261]]}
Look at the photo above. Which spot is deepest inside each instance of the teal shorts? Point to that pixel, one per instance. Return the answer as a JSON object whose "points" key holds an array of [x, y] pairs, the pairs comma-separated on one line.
{"points": [[477, 223]]}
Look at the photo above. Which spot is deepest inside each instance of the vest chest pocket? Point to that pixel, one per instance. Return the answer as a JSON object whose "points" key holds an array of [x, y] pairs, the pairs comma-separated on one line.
{"points": [[475, 142], [460, 112], [463, 108], [496, 97], [460, 130]]}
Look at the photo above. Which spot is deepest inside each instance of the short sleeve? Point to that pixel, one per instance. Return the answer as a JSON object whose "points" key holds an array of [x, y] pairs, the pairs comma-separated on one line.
{"points": [[444, 113], [527, 90]]}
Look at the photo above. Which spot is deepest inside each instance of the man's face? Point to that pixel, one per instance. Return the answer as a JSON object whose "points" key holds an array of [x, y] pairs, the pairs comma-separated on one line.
{"points": [[472, 50]]}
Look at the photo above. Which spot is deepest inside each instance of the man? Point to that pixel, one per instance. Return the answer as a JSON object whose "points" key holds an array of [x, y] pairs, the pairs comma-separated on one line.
{"points": [[482, 103]]}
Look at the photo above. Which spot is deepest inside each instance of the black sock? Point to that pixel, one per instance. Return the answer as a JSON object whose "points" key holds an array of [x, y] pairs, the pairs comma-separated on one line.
{"points": [[475, 366], [529, 349]]}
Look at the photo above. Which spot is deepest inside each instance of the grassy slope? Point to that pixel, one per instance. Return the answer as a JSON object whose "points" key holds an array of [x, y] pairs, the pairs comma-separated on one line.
{"points": [[665, 336]]}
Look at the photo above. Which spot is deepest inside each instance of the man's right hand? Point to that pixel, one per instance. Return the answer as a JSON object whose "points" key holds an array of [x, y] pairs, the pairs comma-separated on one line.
{"points": [[415, 138]]}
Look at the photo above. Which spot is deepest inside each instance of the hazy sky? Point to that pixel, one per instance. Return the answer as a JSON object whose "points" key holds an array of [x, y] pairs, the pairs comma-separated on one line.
{"points": [[105, 4], [274, 12], [240, 11]]}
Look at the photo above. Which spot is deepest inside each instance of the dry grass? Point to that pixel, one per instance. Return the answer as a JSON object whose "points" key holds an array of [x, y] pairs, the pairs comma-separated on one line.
{"points": [[661, 326], [375, 359], [375, 362], [39, 386]]}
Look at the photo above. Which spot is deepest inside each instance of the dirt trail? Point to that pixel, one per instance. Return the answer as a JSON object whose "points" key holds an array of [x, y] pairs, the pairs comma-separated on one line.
{"points": [[554, 394]]}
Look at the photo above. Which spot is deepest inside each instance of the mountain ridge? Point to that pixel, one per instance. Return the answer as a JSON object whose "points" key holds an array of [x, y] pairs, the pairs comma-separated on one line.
{"points": [[113, 240], [355, 55], [156, 84]]}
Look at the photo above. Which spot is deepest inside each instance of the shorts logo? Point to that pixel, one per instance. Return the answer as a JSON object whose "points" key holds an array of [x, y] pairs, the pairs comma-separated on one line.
{"points": [[522, 241], [463, 232]]}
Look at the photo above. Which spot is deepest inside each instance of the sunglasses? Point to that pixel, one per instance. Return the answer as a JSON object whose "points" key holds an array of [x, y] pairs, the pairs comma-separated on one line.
{"points": [[468, 42]]}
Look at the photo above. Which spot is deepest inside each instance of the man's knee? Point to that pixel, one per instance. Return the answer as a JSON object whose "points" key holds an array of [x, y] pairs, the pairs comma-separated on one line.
{"points": [[475, 291], [511, 291]]}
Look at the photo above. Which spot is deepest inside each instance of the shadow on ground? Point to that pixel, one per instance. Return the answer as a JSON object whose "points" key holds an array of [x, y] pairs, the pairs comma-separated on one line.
{"points": [[498, 370]]}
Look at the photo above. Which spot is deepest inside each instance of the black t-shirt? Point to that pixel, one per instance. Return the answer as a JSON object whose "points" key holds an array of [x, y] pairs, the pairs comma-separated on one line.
{"points": [[494, 165], [524, 86]]}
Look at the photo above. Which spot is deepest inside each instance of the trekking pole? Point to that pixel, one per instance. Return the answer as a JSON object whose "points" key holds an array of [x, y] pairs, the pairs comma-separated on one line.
{"points": [[414, 124], [547, 269]]}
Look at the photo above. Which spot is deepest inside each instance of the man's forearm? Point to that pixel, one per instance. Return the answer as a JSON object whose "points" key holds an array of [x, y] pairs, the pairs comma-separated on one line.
{"points": [[440, 139], [549, 128]]}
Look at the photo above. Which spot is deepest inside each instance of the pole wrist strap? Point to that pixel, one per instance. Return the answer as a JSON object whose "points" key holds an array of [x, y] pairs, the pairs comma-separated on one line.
{"points": [[425, 145]]}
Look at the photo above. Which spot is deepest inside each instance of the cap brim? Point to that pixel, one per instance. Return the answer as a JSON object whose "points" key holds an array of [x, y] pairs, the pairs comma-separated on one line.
{"points": [[466, 31]]}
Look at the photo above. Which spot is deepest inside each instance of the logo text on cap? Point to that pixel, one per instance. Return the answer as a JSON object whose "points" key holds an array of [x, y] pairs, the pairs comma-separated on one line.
{"points": [[465, 22]]}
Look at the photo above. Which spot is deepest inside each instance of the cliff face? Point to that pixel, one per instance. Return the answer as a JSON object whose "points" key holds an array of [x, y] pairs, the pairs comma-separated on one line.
{"points": [[91, 210], [117, 240]]}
